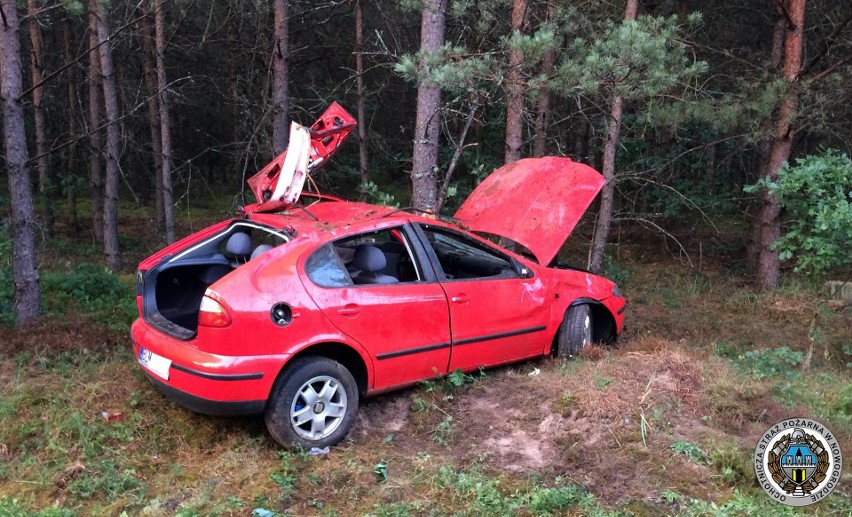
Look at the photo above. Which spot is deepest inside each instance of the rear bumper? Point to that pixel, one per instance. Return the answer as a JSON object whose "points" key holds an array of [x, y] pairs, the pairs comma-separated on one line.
{"points": [[205, 406], [208, 383]]}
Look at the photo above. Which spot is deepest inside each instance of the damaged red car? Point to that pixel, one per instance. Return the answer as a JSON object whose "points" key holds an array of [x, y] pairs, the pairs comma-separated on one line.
{"points": [[306, 303]]}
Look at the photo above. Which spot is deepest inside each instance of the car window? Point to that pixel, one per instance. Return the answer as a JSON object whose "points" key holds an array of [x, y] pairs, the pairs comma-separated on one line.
{"points": [[380, 257], [462, 257], [325, 269]]}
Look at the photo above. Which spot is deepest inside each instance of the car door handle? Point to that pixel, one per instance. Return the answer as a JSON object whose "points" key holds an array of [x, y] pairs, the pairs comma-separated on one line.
{"points": [[350, 310], [461, 299]]}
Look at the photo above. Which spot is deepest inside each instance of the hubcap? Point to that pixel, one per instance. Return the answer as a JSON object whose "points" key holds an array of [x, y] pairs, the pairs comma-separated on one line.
{"points": [[318, 408]]}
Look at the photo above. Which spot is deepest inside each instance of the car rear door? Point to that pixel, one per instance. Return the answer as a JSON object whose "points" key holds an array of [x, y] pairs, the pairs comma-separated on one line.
{"points": [[496, 314], [404, 325]]}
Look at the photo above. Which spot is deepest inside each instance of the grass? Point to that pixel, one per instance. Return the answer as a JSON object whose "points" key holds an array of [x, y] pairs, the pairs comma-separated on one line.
{"points": [[662, 425]]}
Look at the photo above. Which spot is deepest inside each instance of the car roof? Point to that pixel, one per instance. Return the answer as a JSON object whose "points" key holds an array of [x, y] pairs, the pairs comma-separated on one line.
{"points": [[330, 216]]}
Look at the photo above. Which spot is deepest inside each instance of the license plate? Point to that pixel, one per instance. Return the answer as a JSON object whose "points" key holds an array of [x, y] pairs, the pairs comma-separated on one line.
{"points": [[157, 364]]}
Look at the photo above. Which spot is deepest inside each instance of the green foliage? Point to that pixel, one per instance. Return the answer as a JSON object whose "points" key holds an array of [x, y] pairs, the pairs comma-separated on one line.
{"points": [[377, 196], [733, 465], [381, 471], [817, 197], [693, 452], [635, 59], [770, 362], [92, 291]]}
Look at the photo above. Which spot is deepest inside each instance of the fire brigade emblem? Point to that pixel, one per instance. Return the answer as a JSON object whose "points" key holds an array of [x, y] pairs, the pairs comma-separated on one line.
{"points": [[798, 462]]}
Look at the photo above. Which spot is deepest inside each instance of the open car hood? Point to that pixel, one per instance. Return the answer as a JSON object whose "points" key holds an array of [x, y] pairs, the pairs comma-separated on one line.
{"points": [[536, 202], [278, 185]]}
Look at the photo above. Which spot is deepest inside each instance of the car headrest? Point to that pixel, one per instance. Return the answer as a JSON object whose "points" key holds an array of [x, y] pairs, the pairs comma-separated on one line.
{"points": [[239, 244], [368, 258], [260, 250]]}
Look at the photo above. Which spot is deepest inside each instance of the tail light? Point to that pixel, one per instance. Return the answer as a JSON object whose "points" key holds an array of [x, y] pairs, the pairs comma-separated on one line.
{"points": [[212, 314]]}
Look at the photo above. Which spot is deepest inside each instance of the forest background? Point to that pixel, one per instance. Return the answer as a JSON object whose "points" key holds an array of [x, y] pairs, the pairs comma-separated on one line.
{"points": [[723, 129]]}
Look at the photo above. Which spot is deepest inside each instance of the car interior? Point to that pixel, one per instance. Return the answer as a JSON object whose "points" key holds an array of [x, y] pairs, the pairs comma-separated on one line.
{"points": [[381, 257], [463, 258]]}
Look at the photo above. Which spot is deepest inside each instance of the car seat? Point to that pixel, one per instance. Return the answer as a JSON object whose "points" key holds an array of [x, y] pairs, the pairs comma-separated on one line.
{"points": [[239, 247], [370, 260], [260, 250]]}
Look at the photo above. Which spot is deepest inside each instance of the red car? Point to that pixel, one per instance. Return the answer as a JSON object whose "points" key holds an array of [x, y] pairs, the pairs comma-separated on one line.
{"points": [[300, 313]]}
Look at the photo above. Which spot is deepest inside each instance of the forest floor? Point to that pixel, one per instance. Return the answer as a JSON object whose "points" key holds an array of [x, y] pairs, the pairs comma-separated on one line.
{"points": [[663, 423]]}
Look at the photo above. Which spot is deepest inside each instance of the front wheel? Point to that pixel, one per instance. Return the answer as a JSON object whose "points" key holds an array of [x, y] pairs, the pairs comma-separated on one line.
{"points": [[575, 333], [313, 403]]}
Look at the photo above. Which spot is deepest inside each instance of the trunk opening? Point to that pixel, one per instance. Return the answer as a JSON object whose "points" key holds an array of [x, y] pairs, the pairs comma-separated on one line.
{"points": [[172, 290]]}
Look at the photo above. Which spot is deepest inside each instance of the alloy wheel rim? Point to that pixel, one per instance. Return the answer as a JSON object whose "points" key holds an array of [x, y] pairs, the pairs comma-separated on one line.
{"points": [[318, 408]]}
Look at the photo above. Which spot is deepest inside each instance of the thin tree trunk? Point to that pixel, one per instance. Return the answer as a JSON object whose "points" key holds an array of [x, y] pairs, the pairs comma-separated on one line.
{"points": [[424, 173], [42, 165], [613, 131], [165, 125], [769, 263], [280, 78], [22, 215], [515, 89], [96, 168], [71, 150], [150, 73], [359, 91], [111, 251], [543, 108]]}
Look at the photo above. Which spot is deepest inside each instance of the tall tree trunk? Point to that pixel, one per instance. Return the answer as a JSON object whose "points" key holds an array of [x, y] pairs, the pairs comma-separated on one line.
{"points": [[515, 88], [71, 150], [424, 173], [165, 125], [768, 262], [613, 131], [111, 251], [96, 167], [37, 56], [359, 92], [24, 271], [280, 78], [543, 108], [764, 146], [150, 71]]}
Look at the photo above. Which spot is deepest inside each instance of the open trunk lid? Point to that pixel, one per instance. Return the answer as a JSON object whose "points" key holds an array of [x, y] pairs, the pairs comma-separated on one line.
{"points": [[278, 185], [536, 202]]}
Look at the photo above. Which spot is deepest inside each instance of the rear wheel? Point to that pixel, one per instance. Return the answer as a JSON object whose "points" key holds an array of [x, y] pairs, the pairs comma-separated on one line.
{"points": [[313, 403], [575, 332]]}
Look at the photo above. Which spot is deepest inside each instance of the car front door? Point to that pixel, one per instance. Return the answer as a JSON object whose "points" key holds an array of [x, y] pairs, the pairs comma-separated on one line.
{"points": [[398, 312], [496, 314]]}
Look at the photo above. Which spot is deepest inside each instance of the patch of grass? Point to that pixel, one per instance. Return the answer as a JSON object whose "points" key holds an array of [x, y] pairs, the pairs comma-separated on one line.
{"points": [[10, 507], [106, 478], [564, 404], [443, 433], [826, 394], [732, 465], [693, 452]]}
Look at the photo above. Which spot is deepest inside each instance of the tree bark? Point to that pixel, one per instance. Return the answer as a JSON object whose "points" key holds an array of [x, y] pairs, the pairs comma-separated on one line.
{"points": [[149, 69], [111, 250], [165, 125], [96, 168], [515, 88], [769, 219], [424, 172], [42, 165], [359, 92], [543, 108], [22, 217], [613, 131], [71, 150], [764, 147], [280, 78]]}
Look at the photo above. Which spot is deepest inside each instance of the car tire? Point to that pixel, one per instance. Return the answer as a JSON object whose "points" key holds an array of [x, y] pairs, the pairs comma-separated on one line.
{"points": [[313, 403], [575, 333]]}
